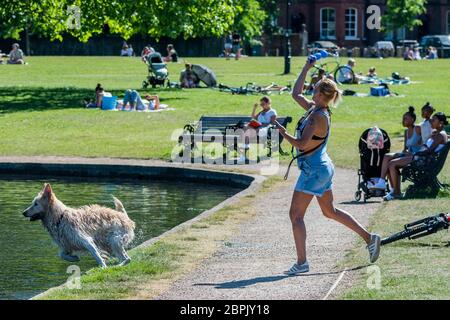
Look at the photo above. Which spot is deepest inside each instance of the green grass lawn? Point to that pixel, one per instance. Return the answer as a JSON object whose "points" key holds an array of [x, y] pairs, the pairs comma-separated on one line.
{"points": [[41, 113]]}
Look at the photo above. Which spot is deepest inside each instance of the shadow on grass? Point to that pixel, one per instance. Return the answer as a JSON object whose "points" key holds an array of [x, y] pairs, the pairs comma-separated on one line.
{"points": [[415, 244], [252, 281], [20, 99]]}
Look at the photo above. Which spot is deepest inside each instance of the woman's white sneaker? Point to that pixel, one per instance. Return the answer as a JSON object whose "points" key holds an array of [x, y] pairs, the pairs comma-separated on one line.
{"points": [[374, 247], [297, 269]]}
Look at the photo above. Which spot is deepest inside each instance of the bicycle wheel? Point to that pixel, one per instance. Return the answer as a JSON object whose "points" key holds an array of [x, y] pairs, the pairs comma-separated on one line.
{"points": [[344, 75], [329, 66]]}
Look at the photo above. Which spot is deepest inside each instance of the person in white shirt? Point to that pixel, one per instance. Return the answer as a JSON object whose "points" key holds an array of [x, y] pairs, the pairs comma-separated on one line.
{"points": [[439, 137], [417, 54], [427, 111], [259, 124], [345, 75], [130, 51]]}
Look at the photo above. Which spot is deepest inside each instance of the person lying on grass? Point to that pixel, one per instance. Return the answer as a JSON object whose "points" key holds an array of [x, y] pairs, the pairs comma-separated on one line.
{"points": [[391, 167], [134, 100], [258, 126]]}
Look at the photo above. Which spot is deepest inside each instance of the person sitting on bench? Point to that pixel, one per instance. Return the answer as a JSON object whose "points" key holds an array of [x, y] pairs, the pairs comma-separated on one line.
{"points": [[259, 124], [394, 161], [439, 137], [434, 144]]}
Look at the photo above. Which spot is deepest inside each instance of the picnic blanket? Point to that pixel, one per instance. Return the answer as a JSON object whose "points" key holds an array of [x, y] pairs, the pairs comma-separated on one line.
{"points": [[376, 80]]}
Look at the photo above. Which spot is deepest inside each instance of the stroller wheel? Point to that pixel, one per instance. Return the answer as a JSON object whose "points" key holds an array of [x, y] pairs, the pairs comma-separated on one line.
{"points": [[358, 195], [366, 196]]}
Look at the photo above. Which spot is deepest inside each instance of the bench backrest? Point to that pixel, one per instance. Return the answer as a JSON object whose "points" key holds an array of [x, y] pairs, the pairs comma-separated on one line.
{"points": [[441, 158], [221, 123]]}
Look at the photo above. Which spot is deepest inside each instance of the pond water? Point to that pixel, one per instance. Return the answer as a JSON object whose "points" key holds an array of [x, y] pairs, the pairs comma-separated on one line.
{"points": [[29, 258]]}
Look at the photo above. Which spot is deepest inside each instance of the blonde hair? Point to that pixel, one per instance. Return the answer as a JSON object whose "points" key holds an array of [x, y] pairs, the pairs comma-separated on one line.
{"points": [[329, 89]]}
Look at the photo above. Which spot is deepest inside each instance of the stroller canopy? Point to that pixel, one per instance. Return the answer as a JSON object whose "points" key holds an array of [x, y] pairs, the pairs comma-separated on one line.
{"points": [[205, 75], [154, 57], [157, 66]]}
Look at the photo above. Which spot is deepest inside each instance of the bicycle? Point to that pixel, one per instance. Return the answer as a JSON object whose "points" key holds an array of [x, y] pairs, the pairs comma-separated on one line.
{"points": [[420, 228], [342, 74]]}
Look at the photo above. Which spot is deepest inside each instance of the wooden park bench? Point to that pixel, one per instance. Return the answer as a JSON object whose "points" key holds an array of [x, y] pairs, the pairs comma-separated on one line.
{"points": [[209, 128], [423, 172]]}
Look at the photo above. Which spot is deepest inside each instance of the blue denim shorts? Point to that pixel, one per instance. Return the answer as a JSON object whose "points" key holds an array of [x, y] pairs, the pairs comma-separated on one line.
{"points": [[315, 180]]}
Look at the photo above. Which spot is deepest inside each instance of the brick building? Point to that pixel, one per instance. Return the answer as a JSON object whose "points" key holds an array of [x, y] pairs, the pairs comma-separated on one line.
{"points": [[344, 22]]}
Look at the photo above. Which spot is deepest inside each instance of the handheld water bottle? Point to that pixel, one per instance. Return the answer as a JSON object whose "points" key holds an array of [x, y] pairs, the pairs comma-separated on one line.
{"points": [[317, 56]]}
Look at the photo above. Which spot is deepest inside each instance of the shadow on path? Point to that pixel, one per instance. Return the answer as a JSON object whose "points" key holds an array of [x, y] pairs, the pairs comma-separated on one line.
{"points": [[353, 202], [249, 282]]}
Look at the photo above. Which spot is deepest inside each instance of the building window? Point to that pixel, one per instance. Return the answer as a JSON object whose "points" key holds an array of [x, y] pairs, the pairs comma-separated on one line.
{"points": [[351, 23], [328, 23], [448, 22]]}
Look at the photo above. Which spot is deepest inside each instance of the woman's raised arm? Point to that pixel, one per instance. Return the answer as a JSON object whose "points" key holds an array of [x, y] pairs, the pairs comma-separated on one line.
{"points": [[297, 91]]}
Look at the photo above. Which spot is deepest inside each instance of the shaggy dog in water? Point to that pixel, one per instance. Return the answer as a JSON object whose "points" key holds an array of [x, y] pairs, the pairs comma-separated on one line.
{"points": [[94, 228]]}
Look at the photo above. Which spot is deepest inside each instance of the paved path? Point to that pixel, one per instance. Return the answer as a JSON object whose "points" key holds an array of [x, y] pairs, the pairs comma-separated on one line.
{"points": [[250, 264]]}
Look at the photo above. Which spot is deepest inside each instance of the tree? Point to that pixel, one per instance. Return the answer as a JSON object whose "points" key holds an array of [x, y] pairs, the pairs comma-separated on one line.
{"points": [[403, 14], [249, 19], [272, 10], [155, 18]]}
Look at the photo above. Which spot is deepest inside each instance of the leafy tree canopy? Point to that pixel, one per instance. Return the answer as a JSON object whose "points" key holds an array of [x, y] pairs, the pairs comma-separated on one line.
{"points": [[155, 18]]}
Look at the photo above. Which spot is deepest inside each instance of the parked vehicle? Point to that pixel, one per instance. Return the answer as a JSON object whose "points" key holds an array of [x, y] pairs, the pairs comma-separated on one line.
{"points": [[440, 42], [408, 43], [383, 49], [323, 45]]}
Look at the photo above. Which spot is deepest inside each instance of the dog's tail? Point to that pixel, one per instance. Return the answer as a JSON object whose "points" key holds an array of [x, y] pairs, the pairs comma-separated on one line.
{"points": [[119, 205]]}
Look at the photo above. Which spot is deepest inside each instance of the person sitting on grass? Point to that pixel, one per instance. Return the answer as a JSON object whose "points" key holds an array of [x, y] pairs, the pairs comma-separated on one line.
{"points": [[188, 79], [146, 52], [417, 54], [425, 125], [315, 79], [372, 73], [408, 54], [16, 55], [99, 93], [172, 55], [345, 76], [431, 53], [259, 124], [392, 162]]}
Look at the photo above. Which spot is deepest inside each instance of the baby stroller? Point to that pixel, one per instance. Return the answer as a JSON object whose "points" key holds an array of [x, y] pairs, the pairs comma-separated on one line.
{"points": [[371, 159], [157, 71]]}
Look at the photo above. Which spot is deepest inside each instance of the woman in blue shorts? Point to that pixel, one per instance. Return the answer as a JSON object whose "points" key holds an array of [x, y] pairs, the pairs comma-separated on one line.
{"points": [[317, 168]]}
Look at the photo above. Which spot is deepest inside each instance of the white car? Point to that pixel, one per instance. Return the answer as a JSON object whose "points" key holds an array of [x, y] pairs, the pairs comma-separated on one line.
{"points": [[384, 49]]}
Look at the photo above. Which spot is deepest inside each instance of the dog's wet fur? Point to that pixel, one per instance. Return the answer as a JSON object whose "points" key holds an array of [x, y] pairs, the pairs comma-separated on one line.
{"points": [[99, 230]]}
